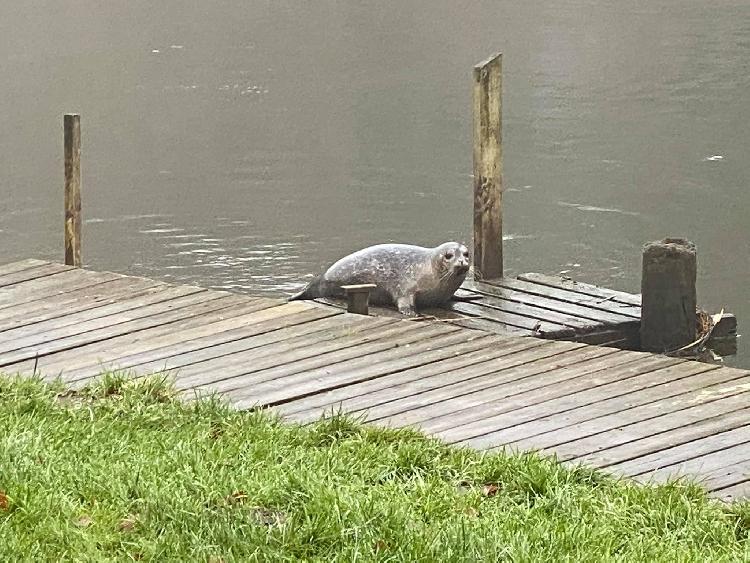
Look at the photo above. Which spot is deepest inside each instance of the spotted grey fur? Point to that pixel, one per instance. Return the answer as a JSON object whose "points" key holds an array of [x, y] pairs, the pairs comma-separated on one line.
{"points": [[406, 276]]}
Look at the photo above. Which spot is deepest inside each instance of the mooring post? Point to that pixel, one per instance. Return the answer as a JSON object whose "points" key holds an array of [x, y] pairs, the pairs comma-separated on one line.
{"points": [[72, 142], [488, 169], [668, 306], [358, 297]]}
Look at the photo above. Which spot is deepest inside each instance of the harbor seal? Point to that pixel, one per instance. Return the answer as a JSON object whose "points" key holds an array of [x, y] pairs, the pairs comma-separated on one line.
{"points": [[406, 276]]}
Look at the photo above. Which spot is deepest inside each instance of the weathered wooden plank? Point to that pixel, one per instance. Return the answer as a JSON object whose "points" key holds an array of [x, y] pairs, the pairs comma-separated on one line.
{"points": [[409, 382], [178, 309], [651, 435], [166, 299], [678, 402], [355, 340], [480, 427], [491, 291], [97, 351], [25, 276], [36, 291], [623, 408], [462, 404], [688, 456], [268, 392], [580, 325], [513, 374], [542, 328], [626, 337], [278, 369], [489, 325], [726, 464], [169, 352], [13, 267], [602, 304], [735, 492], [728, 476], [99, 300], [466, 359], [583, 288]]}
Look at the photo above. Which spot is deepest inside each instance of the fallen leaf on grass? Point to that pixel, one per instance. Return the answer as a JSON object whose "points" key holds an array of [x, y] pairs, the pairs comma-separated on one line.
{"points": [[4, 502], [83, 521], [380, 545], [490, 490]]}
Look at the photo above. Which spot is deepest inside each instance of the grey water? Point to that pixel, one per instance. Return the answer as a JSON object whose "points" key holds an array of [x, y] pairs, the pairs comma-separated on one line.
{"points": [[246, 145]]}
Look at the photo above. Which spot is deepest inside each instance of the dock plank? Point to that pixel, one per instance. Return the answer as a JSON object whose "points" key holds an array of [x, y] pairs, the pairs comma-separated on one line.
{"points": [[601, 316], [399, 337], [502, 378], [416, 380], [638, 404], [301, 383], [651, 435], [456, 406], [172, 351], [30, 274], [13, 267], [682, 402], [583, 288], [485, 424], [685, 456], [173, 311], [97, 295], [34, 293]]}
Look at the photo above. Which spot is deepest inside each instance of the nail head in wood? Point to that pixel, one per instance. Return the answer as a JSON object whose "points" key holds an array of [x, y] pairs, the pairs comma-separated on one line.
{"points": [[358, 297]]}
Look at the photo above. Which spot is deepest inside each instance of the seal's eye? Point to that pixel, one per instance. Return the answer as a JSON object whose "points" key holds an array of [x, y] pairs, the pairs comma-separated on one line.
{"points": [[466, 253], [448, 255]]}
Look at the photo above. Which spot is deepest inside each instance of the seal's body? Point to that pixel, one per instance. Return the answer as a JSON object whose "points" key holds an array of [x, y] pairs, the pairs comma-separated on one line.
{"points": [[406, 276]]}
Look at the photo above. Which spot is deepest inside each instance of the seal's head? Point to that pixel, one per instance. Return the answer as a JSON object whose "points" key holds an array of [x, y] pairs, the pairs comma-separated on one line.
{"points": [[452, 258]]}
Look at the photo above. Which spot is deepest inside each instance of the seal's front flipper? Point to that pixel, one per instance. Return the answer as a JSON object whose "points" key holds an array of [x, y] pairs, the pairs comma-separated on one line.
{"points": [[406, 306]]}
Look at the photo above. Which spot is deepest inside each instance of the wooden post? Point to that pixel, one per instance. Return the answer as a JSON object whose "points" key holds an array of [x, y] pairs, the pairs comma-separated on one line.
{"points": [[358, 297], [72, 141], [488, 169], [668, 306]]}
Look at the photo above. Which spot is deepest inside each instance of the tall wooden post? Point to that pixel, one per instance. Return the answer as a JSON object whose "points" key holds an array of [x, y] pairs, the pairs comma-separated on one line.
{"points": [[72, 142], [488, 169], [668, 295]]}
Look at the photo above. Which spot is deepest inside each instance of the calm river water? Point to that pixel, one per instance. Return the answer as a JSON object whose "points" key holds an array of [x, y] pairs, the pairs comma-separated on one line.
{"points": [[245, 145]]}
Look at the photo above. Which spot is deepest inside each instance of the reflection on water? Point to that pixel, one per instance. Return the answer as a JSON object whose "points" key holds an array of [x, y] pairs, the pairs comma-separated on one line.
{"points": [[248, 145]]}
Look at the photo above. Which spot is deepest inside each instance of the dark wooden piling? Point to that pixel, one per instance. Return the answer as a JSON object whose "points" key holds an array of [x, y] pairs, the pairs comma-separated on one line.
{"points": [[358, 297], [488, 169], [72, 144], [668, 309]]}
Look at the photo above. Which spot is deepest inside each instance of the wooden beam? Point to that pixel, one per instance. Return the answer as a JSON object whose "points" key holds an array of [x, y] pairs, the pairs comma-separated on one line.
{"points": [[488, 169], [358, 297], [72, 142]]}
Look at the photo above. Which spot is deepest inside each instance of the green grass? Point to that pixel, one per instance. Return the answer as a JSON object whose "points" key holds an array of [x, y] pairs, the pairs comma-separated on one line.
{"points": [[124, 471]]}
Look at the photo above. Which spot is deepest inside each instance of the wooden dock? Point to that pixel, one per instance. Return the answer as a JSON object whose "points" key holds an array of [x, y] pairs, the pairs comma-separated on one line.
{"points": [[543, 306], [635, 414]]}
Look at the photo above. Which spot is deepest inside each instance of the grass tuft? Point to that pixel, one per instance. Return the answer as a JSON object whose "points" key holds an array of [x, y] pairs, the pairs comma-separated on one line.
{"points": [[124, 470]]}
